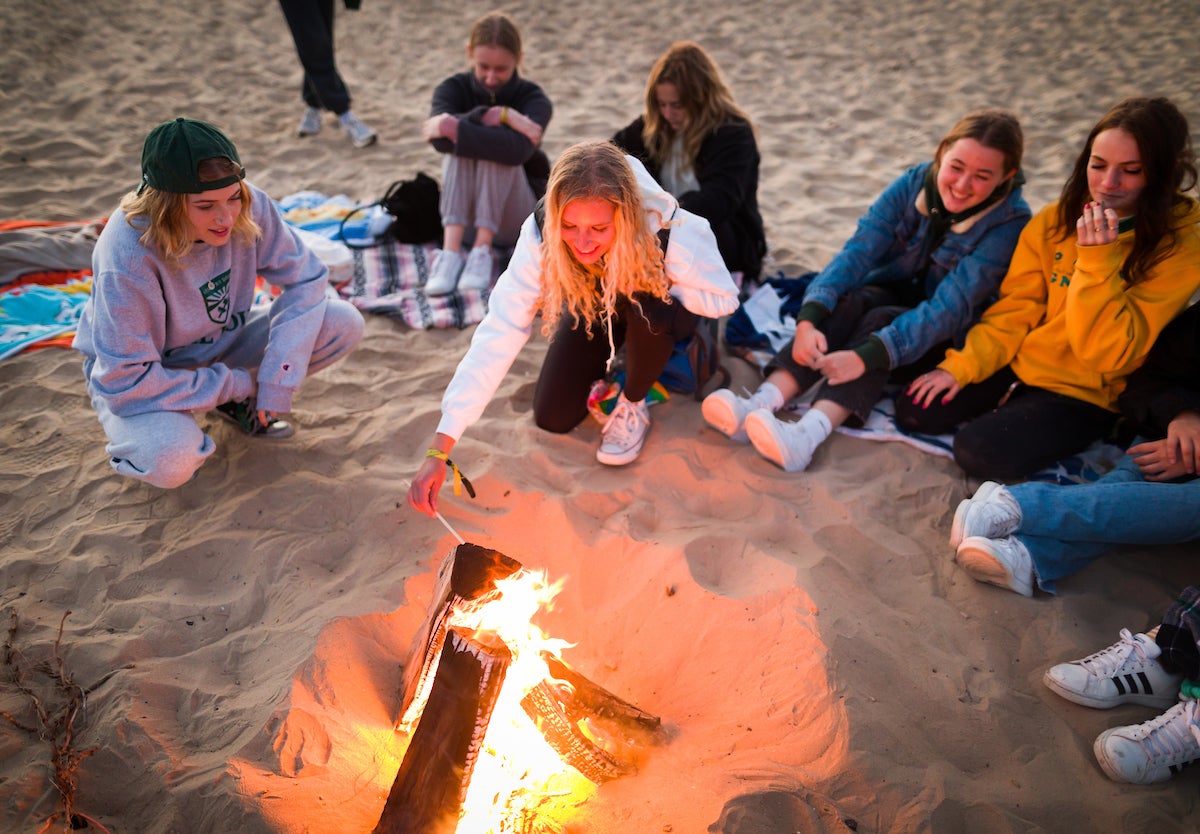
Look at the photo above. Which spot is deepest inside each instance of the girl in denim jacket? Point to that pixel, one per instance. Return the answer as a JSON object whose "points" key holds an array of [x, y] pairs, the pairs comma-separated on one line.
{"points": [[924, 262]]}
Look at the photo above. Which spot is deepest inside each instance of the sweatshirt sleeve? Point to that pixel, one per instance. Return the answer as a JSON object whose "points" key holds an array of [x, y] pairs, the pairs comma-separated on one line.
{"points": [[993, 342], [498, 339], [296, 314], [500, 144], [699, 278], [1111, 325]]}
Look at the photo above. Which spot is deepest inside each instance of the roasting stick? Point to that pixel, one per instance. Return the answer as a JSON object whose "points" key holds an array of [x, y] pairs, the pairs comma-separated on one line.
{"points": [[442, 519]]}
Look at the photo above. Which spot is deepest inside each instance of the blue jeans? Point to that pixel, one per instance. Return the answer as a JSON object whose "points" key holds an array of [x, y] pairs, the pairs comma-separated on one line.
{"points": [[1066, 528]]}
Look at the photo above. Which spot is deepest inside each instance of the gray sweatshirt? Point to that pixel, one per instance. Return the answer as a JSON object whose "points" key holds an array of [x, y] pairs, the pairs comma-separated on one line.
{"points": [[153, 333]]}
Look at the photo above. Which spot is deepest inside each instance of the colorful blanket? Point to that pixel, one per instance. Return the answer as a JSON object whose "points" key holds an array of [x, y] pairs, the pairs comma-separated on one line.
{"points": [[33, 314], [388, 279]]}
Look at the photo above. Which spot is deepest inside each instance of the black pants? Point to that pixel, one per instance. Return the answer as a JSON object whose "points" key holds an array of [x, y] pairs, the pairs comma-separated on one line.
{"points": [[649, 331], [858, 314], [1013, 430], [311, 22]]}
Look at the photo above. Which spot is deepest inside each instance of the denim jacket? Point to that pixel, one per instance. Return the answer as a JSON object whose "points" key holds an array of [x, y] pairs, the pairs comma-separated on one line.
{"points": [[964, 273]]}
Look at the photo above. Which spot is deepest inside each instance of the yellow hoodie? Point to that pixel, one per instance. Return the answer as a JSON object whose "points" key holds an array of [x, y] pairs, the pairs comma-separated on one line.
{"points": [[1068, 322]]}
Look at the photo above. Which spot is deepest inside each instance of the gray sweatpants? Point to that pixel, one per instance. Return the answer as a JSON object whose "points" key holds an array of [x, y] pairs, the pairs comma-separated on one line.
{"points": [[479, 194], [166, 448]]}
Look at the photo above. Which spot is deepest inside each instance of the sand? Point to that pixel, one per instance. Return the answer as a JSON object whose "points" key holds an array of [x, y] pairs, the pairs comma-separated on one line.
{"points": [[822, 662]]}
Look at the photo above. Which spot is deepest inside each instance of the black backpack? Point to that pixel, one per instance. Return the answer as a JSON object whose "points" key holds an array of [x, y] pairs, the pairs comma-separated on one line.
{"points": [[414, 205], [696, 358]]}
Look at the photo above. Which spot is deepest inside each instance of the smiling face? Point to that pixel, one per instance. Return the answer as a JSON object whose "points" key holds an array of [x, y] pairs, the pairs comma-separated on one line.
{"points": [[670, 105], [588, 228], [493, 65], [968, 174], [1115, 173], [213, 213]]}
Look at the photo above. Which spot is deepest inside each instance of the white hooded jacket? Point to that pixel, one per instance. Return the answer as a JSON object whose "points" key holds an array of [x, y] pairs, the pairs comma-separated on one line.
{"points": [[697, 275]]}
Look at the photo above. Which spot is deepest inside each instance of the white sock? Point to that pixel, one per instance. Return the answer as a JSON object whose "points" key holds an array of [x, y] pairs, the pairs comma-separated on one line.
{"points": [[769, 397], [816, 425]]}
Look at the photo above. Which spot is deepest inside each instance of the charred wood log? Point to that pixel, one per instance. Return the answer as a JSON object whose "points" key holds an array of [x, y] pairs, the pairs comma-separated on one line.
{"points": [[428, 793]]}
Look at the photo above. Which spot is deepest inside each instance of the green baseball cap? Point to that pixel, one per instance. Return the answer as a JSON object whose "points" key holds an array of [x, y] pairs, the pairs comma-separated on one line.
{"points": [[174, 150]]}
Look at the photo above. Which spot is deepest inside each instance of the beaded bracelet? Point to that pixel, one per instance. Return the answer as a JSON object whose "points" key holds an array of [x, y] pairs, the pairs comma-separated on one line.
{"points": [[460, 480]]}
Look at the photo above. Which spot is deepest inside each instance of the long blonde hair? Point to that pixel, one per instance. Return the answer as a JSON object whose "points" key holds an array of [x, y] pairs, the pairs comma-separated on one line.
{"points": [[703, 93], [166, 227], [634, 262]]}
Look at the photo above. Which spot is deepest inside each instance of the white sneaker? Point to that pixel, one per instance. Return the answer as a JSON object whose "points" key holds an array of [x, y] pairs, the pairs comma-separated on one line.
{"points": [[443, 278], [726, 412], [1127, 672], [359, 133], [477, 274], [1153, 751], [1004, 562], [310, 123], [624, 432], [787, 445], [991, 512]]}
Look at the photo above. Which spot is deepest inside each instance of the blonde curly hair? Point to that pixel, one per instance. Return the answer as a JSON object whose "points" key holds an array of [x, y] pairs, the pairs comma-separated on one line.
{"points": [[634, 262]]}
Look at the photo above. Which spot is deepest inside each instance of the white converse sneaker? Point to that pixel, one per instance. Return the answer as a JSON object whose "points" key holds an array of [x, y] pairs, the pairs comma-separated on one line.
{"points": [[1127, 672], [310, 123], [1004, 562], [726, 412], [359, 133], [443, 278], [787, 445], [477, 274], [991, 512], [1153, 751], [624, 432]]}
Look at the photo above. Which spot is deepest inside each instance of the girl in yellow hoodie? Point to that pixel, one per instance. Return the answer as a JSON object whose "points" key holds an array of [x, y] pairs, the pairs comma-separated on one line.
{"points": [[1095, 277]]}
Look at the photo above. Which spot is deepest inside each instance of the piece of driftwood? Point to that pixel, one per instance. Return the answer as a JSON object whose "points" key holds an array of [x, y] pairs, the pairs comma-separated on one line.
{"points": [[429, 790]]}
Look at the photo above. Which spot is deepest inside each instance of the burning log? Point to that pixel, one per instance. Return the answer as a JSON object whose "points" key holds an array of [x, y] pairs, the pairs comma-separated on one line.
{"points": [[451, 685], [431, 785]]}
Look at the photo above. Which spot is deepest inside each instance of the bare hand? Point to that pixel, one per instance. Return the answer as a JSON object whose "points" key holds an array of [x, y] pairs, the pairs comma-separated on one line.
{"points": [[841, 366], [1175, 455], [809, 345], [925, 388], [1097, 226], [443, 125], [423, 493]]}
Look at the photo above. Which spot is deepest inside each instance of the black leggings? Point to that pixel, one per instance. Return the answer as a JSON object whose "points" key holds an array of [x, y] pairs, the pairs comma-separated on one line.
{"points": [[574, 360], [1016, 429]]}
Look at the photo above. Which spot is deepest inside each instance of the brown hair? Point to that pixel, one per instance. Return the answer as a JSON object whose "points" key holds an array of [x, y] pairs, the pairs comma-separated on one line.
{"points": [[496, 29], [167, 228], [996, 129], [1165, 146], [703, 93], [634, 263]]}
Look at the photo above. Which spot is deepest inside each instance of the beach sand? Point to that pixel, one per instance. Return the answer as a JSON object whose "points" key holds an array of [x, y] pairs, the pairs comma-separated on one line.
{"points": [[820, 660]]}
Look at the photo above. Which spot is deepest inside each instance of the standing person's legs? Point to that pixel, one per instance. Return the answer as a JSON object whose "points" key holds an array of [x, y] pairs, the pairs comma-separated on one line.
{"points": [[311, 24], [1033, 429]]}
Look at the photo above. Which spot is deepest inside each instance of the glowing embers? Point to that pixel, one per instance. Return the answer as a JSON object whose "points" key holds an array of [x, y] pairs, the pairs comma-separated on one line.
{"points": [[504, 737]]}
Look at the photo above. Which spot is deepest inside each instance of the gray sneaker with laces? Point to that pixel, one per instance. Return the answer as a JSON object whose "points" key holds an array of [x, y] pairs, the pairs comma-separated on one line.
{"points": [[310, 123], [624, 433], [359, 133]]}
